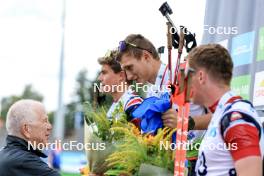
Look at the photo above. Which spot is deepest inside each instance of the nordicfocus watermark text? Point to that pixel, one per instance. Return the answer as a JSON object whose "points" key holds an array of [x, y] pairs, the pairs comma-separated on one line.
{"points": [[123, 87], [195, 146], [72, 145], [220, 30]]}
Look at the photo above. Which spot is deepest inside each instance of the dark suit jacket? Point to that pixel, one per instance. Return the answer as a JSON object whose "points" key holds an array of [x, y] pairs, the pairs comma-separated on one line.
{"points": [[17, 160]]}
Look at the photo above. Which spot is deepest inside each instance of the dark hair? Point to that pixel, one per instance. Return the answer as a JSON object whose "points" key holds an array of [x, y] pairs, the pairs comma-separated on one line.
{"points": [[215, 59], [142, 43], [111, 59]]}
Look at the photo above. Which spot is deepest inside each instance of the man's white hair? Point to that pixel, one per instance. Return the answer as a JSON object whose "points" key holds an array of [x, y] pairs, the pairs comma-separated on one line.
{"points": [[22, 111]]}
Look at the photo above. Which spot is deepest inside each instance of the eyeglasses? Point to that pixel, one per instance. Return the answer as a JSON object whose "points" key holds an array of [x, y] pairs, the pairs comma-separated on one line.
{"points": [[123, 46]]}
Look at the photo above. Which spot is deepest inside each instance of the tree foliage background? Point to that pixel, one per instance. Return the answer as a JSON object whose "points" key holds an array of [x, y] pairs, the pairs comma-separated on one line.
{"points": [[85, 90], [28, 93]]}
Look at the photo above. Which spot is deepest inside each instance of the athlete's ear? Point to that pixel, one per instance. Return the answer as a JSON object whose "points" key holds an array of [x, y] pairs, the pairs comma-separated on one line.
{"points": [[202, 76], [146, 56], [122, 75]]}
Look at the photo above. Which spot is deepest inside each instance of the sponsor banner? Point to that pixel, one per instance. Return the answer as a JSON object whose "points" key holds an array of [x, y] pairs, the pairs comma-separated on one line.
{"points": [[260, 52], [258, 96], [243, 48], [241, 85]]}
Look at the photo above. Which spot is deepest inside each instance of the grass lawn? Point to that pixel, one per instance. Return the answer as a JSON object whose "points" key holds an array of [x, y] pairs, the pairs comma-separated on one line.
{"points": [[69, 174]]}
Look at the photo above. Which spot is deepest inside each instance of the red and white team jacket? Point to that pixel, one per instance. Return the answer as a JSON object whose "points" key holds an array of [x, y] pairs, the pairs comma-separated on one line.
{"points": [[129, 100], [234, 132]]}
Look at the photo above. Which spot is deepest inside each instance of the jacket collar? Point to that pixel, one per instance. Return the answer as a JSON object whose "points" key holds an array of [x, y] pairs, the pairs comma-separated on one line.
{"points": [[14, 141]]}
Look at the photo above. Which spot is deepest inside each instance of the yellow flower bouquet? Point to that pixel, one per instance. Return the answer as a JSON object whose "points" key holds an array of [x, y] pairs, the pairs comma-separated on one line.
{"points": [[127, 151]]}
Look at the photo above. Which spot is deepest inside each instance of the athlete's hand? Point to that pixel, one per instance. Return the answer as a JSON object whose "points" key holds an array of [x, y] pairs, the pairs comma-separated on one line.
{"points": [[170, 118]]}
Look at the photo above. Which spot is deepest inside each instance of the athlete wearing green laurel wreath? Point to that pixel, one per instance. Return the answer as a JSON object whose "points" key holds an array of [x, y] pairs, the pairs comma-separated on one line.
{"points": [[113, 81]]}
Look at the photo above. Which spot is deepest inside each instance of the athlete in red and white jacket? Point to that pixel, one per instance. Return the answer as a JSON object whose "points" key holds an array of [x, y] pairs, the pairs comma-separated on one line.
{"points": [[234, 133], [234, 139]]}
